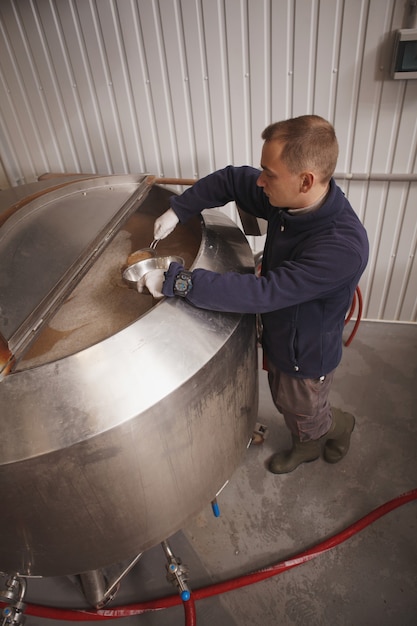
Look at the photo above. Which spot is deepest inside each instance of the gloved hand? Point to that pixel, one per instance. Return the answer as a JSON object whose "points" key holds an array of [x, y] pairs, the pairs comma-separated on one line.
{"points": [[153, 280], [165, 224]]}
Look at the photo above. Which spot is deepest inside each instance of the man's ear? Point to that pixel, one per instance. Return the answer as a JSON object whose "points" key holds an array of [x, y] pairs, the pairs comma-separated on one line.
{"points": [[306, 181]]}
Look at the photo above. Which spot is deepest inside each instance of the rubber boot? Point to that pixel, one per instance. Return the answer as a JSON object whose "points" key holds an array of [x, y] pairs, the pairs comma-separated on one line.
{"points": [[289, 460], [338, 437]]}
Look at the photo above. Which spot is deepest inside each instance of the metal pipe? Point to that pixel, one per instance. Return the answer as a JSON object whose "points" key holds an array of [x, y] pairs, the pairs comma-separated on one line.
{"points": [[388, 178], [339, 175]]}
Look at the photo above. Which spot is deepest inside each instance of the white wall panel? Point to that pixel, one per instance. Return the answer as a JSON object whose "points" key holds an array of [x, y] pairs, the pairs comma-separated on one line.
{"points": [[258, 75], [179, 88], [349, 74], [304, 60], [198, 85], [75, 77], [397, 304], [407, 303], [327, 57], [3, 178], [366, 109], [143, 130], [238, 45], [282, 59]]}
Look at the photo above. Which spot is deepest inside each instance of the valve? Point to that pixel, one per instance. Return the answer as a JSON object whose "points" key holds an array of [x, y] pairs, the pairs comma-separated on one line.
{"points": [[13, 614], [215, 508], [177, 573]]}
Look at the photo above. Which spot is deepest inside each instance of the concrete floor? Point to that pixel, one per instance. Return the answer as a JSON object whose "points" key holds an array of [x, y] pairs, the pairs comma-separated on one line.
{"points": [[371, 579]]}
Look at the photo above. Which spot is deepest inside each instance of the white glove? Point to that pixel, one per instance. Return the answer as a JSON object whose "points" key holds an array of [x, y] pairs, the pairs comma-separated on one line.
{"points": [[165, 224], [153, 280]]}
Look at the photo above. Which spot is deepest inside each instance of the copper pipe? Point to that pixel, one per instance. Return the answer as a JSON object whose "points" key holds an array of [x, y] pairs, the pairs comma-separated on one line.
{"points": [[176, 181]]}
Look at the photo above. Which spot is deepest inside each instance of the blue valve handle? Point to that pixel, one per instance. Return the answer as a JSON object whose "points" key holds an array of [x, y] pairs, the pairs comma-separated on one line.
{"points": [[215, 507], [185, 595]]}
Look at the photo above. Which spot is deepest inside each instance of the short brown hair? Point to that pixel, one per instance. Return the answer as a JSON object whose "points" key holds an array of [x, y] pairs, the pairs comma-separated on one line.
{"points": [[309, 143]]}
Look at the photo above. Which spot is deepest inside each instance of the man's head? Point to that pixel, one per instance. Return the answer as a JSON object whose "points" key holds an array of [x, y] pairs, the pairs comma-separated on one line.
{"points": [[298, 159]]}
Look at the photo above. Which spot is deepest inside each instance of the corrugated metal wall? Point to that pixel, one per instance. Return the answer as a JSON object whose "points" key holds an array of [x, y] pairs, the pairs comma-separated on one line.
{"points": [[182, 87]]}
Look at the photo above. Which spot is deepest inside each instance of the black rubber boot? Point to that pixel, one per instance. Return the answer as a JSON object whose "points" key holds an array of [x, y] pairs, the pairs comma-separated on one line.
{"points": [[289, 460], [338, 437]]}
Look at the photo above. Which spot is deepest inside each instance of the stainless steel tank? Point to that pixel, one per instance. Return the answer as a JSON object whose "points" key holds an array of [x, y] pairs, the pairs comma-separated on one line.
{"points": [[120, 417]]}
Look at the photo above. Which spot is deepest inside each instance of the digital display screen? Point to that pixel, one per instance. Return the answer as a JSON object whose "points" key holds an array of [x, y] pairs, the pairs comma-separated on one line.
{"points": [[406, 57], [404, 65]]}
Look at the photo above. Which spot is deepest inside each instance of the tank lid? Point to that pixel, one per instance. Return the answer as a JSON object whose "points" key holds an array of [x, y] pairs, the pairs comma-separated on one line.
{"points": [[48, 242]]}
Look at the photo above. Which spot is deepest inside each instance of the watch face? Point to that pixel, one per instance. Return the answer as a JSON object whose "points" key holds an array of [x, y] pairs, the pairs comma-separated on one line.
{"points": [[181, 284]]}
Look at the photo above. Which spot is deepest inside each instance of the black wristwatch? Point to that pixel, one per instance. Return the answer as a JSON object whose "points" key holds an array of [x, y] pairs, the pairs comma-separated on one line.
{"points": [[183, 283]]}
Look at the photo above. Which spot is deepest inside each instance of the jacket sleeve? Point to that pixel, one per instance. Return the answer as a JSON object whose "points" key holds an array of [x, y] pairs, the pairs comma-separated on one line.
{"points": [[292, 283], [230, 184]]}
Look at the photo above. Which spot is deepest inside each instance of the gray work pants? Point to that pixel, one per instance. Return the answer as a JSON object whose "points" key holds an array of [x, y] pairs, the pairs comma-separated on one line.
{"points": [[304, 402]]}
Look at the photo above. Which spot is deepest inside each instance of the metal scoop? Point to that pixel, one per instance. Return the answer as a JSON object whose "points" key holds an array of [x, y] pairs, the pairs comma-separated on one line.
{"points": [[143, 253]]}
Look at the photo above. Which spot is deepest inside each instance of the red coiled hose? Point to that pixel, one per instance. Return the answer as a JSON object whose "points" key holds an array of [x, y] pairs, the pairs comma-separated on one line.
{"points": [[229, 585], [356, 296]]}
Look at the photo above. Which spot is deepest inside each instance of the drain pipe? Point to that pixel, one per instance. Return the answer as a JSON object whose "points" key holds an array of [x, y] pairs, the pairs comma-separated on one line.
{"points": [[229, 585]]}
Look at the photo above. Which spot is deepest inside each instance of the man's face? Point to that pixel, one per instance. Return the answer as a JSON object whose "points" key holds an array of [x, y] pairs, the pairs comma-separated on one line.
{"points": [[281, 186]]}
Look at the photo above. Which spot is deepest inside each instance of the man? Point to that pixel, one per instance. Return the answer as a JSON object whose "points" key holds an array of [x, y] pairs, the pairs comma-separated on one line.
{"points": [[315, 253]]}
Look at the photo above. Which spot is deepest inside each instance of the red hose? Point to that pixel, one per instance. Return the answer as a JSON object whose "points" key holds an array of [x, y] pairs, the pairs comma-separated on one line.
{"points": [[189, 611], [352, 309], [235, 583], [357, 294], [310, 554]]}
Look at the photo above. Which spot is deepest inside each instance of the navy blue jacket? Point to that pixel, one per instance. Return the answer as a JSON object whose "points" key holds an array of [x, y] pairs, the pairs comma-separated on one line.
{"points": [[311, 266]]}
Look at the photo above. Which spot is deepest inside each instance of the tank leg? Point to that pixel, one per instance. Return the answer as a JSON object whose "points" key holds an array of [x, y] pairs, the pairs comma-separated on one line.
{"points": [[100, 586], [93, 586]]}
